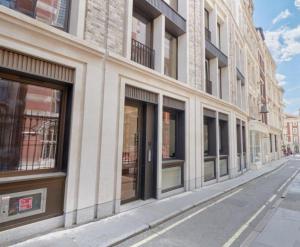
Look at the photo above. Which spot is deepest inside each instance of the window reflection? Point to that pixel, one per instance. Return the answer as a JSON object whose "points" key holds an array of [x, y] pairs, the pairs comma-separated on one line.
{"points": [[169, 135], [29, 125], [170, 55], [52, 12]]}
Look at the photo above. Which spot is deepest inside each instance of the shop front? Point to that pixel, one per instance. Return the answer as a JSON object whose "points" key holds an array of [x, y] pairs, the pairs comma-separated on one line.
{"points": [[33, 139], [140, 146]]}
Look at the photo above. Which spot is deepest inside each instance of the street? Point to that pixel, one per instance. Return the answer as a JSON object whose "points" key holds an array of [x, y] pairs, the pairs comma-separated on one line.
{"points": [[228, 220]]}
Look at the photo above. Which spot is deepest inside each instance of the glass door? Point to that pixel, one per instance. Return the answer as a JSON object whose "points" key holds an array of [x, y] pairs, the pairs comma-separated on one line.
{"points": [[131, 152]]}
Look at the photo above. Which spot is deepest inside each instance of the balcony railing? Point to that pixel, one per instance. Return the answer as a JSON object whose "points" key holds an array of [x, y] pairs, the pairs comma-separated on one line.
{"points": [[51, 13], [142, 54], [208, 86], [207, 34]]}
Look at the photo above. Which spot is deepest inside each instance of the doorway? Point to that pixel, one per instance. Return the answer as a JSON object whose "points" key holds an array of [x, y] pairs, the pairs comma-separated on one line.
{"points": [[139, 151]]}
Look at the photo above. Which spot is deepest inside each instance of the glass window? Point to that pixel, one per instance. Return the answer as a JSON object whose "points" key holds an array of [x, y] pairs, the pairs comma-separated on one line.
{"points": [[207, 72], [271, 144], [141, 29], [170, 55], [206, 19], [173, 4], [169, 134], [205, 137], [29, 126], [220, 82], [52, 12], [219, 35]]}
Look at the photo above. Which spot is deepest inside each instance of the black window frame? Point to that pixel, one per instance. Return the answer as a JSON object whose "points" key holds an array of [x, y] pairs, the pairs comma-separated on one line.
{"points": [[61, 160], [33, 15], [179, 133]]}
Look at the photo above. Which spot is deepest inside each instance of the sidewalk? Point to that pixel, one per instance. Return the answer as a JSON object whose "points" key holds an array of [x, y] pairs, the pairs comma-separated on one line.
{"points": [[114, 229], [283, 228]]}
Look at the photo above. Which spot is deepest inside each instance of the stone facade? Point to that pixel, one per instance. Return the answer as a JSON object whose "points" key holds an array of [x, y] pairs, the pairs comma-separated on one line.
{"points": [[98, 49]]}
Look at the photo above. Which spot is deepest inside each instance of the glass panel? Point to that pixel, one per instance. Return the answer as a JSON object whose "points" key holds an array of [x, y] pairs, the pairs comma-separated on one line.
{"points": [[52, 12], [209, 170], [173, 4], [206, 137], [141, 30], [171, 177], [29, 126], [206, 19], [169, 135], [130, 154], [223, 167], [170, 55]]}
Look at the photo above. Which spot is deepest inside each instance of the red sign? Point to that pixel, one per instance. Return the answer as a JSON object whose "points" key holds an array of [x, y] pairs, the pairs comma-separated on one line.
{"points": [[25, 203]]}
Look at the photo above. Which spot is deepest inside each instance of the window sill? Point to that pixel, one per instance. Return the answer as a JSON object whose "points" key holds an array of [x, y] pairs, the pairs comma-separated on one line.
{"points": [[4, 180]]}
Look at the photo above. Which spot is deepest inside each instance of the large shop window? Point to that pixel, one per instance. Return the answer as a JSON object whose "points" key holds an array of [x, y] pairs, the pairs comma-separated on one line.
{"points": [[210, 151], [31, 130], [173, 147], [52, 12]]}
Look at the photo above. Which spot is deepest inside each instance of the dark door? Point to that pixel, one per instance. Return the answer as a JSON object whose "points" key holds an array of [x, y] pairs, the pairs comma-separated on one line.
{"points": [[138, 164]]}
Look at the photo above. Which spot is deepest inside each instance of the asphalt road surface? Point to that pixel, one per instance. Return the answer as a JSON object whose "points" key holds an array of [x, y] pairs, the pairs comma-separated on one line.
{"points": [[225, 221]]}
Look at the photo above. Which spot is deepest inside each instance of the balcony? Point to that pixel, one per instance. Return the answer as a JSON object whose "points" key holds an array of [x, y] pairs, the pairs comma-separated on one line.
{"points": [[208, 86], [142, 54], [207, 34], [49, 12], [154, 8]]}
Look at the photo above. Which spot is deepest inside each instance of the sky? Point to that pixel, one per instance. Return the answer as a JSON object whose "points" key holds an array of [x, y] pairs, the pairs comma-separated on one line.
{"points": [[280, 20]]}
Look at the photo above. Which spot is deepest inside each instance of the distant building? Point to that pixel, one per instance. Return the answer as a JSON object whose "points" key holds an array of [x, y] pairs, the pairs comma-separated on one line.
{"points": [[291, 133]]}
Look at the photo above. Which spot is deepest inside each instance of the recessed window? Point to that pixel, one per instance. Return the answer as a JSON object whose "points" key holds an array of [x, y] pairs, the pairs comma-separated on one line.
{"points": [[169, 134], [30, 126], [170, 55], [54, 13], [173, 4]]}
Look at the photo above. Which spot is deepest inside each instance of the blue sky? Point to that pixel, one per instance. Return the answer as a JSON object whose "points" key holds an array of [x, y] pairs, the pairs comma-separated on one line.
{"points": [[280, 20]]}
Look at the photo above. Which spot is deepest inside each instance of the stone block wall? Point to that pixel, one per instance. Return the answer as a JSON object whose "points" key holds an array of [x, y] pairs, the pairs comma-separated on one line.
{"points": [[105, 20]]}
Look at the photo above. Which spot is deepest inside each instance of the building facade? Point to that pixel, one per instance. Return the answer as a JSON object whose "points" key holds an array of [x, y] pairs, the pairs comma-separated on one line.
{"points": [[105, 103], [291, 134]]}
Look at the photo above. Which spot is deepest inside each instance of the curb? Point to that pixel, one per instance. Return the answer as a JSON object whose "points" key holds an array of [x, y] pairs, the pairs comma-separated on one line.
{"points": [[187, 208]]}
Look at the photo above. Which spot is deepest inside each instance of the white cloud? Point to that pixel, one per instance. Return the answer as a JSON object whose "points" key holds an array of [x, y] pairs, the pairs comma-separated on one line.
{"points": [[284, 43], [281, 79], [297, 4], [282, 15]]}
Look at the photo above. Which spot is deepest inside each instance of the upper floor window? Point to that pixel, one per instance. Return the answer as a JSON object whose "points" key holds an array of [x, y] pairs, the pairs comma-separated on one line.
{"points": [[206, 18], [52, 12], [173, 4], [141, 46], [219, 35], [170, 55]]}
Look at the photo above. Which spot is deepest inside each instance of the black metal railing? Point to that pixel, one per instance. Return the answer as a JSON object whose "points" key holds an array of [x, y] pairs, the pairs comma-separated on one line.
{"points": [[142, 54], [207, 34], [28, 141], [208, 86]]}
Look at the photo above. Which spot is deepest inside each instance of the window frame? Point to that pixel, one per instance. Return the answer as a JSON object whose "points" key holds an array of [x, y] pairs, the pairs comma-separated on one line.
{"points": [[63, 131], [176, 69], [179, 127], [65, 28]]}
